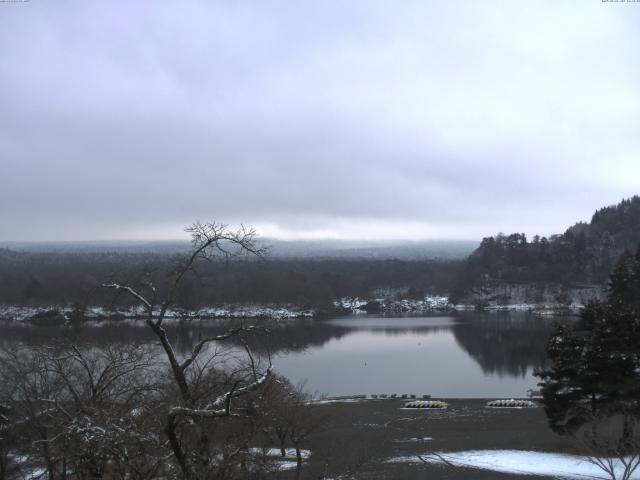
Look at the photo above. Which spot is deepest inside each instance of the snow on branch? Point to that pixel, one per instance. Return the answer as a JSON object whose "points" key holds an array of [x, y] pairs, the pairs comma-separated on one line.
{"points": [[197, 349], [221, 406], [131, 292], [4, 409]]}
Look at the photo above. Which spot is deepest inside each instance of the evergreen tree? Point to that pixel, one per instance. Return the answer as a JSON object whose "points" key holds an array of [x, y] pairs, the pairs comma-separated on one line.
{"points": [[584, 253], [624, 283], [596, 362]]}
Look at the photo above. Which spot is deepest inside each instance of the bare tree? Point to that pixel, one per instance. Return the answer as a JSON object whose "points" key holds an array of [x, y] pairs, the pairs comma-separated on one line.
{"points": [[25, 384], [191, 415], [73, 407], [291, 418], [93, 411], [4, 441], [613, 444]]}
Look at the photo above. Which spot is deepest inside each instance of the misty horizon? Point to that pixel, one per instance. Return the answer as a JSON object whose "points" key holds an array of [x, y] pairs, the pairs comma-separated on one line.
{"points": [[265, 238], [424, 120]]}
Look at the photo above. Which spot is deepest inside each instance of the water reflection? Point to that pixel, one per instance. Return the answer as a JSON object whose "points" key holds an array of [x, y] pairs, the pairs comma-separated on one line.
{"points": [[391, 324], [464, 355], [503, 343]]}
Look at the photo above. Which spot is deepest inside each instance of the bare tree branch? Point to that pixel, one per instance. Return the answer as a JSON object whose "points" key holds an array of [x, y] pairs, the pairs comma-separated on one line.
{"points": [[197, 349], [131, 292], [208, 241], [220, 407]]}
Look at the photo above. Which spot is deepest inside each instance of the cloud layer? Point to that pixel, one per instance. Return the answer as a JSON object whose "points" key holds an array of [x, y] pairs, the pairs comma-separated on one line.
{"points": [[356, 119]]}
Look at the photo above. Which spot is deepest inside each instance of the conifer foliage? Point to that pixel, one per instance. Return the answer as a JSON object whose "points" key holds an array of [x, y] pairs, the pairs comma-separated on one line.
{"points": [[585, 253], [596, 361]]}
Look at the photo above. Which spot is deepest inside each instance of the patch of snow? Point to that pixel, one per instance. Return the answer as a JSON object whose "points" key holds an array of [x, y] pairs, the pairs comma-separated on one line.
{"points": [[35, 474], [516, 462], [463, 307], [286, 465], [288, 462], [416, 439], [28, 473], [351, 303], [390, 305], [428, 304], [516, 307], [275, 452], [22, 314], [136, 412]]}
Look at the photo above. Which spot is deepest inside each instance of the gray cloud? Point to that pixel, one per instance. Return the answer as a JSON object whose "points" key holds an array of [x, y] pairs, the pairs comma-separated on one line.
{"points": [[370, 119]]}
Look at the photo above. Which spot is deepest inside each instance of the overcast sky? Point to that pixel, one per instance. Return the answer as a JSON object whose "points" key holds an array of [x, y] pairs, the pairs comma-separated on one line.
{"points": [[307, 119]]}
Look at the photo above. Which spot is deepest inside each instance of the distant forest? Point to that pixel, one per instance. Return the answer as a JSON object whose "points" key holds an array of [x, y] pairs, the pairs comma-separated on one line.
{"points": [[584, 255], [41, 279]]}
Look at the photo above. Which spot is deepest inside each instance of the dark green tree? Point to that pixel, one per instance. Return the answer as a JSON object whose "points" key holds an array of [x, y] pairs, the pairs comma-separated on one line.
{"points": [[585, 253], [594, 379], [596, 361]]}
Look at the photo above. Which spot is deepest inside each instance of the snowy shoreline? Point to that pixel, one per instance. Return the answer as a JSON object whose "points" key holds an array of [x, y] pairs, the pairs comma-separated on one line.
{"points": [[518, 462], [432, 304], [55, 314]]}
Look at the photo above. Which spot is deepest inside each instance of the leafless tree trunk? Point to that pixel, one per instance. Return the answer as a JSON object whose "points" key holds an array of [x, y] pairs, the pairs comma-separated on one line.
{"points": [[290, 417], [282, 433], [4, 441], [209, 241]]}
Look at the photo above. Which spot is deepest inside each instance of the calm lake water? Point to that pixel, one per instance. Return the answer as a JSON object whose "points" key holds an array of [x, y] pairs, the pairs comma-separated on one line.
{"points": [[463, 355], [467, 355]]}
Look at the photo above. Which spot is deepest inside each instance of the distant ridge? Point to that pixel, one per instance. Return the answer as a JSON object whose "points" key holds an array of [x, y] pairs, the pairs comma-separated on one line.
{"points": [[585, 254], [296, 249], [98, 246], [352, 249]]}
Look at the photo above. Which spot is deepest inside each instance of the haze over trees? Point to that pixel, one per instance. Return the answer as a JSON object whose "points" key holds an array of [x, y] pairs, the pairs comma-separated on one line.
{"points": [[582, 256]]}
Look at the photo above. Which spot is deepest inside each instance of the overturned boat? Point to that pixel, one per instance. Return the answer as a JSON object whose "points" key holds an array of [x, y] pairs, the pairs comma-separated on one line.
{"points": [[511, 403], [428, 404]]}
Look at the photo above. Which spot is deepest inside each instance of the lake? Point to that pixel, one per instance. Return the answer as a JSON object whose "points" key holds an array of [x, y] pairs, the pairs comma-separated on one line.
{"points": [[464, 355]]}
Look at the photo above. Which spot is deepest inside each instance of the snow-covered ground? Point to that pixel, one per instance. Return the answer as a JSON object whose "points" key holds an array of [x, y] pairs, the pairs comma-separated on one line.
{"points": [[441, 304], [385, 305], [415, 439], [517, 462], [20, 314], [27, 470], [288, 462], [275, 452], [353, 305]]}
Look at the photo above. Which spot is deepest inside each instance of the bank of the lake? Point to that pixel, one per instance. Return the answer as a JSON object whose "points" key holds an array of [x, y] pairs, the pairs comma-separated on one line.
{"points": [[363, 437], [476, 355], [388, 305]]}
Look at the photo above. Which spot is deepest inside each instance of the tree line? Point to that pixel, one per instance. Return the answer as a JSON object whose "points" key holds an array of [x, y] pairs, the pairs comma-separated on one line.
{"points": [[43, 279], [585, 254]]}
